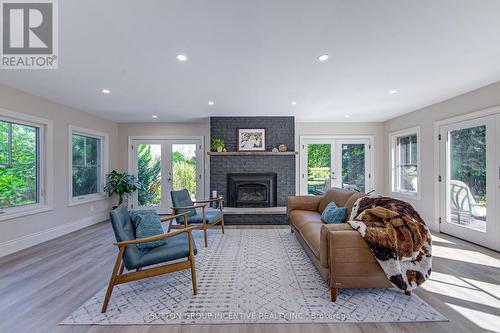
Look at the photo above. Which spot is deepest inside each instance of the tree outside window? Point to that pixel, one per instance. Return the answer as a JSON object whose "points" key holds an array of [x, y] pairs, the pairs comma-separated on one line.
{"points": [[86, 165], [19, 164]]}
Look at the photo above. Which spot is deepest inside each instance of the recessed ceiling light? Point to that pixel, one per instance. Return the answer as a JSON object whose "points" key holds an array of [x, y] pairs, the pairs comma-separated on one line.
{"points": [[294, 103], [181, 57], [106, 91], [211, 103], [392, 92], [154, 116], [347, 116], [323, 57]]}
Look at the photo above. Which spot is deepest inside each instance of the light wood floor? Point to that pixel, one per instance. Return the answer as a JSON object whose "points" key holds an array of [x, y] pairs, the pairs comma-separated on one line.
{"points": [[41, 286]]}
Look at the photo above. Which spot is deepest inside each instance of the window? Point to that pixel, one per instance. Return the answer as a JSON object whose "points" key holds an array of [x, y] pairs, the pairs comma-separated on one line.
{"points": [[88, 156], [24, 158], [405, 176], [19, 165]]}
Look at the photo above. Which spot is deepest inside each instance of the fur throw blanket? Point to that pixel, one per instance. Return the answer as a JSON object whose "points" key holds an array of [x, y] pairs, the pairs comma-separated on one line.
{"points": [[398, 238]]}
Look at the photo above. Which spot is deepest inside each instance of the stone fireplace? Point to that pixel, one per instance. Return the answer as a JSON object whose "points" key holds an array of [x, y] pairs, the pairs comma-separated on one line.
{"points": [[252, 189], [254, 185]]}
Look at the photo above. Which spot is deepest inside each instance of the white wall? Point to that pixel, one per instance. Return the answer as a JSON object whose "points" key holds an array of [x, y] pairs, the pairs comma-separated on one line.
{"points": [[348, 128], [201, 128], [483, 98], [26, 231]]}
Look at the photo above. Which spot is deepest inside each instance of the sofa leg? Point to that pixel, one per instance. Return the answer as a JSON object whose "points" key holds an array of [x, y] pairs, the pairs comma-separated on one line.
{"points": [[408, 293], [291, 230], [333, 294]]}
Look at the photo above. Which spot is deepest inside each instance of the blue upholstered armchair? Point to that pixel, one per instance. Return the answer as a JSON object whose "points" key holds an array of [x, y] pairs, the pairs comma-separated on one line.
{"points": [[180, 245], [204, 218]]}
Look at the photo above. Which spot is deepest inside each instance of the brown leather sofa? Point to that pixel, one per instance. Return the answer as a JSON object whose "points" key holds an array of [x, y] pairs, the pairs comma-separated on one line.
{"points": [[338, 251]]}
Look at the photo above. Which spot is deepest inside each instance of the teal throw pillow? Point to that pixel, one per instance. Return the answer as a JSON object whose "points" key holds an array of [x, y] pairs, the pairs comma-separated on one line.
{"points": [[147, 223], [333, 214]]}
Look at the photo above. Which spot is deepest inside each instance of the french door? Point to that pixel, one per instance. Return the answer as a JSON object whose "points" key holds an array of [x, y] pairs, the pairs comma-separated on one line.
{"points": [[165, 165], [327, 162], [470, 179]]}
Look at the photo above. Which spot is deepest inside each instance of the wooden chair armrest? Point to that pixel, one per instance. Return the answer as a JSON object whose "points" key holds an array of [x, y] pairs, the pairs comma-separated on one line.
{"points": [[154, 238], [189, 207], [208, 200], [172, 217]]}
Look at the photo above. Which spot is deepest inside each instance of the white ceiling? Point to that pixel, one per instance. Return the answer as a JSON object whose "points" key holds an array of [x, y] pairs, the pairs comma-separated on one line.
{"points": [[254, 57]]}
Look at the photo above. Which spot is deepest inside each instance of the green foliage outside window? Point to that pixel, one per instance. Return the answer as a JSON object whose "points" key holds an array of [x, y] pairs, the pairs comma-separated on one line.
{"points": [[185, 174], [318, 167], [18, 164], [86, 168], [353, 166], [149, 172]]}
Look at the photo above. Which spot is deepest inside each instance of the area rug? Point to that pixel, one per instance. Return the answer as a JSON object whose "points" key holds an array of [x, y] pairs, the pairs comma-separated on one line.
{"points": [[249, 276]]}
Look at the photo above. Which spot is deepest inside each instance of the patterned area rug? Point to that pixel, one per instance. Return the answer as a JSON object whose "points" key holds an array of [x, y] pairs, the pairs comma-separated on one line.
{"points": [[249, 276]]}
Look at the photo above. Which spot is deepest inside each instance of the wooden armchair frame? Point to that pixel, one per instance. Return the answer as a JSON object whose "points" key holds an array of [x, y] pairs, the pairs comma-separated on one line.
{"points": [[203, 205], [117, 277]]}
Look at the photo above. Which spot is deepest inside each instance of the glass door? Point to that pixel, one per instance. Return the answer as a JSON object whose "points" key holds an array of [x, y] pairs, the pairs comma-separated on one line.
{"points": [[335, 162], [469, 180], [185, 167], [318, 173], [353, 162], [163, 166], [149, 162]]}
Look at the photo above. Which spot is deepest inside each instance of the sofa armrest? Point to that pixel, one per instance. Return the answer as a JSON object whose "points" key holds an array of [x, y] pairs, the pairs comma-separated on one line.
{"points": [[302, 202], [326, 229], [347, 247]]}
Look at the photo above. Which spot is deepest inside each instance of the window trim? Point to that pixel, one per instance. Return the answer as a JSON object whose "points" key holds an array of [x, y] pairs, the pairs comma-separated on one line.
{"points": [[82, 199], [46, 170], [393, 138]]}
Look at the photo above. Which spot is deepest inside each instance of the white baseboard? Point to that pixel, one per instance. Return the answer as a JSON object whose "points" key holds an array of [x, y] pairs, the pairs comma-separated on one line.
{"points": [[25, 242]]}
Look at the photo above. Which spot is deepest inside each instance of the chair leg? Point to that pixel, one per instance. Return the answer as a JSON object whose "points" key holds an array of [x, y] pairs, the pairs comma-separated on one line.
{"points": [[222, 224], [205, 234], [408, 293], [112, 280], [333, 294], [192, 262]]}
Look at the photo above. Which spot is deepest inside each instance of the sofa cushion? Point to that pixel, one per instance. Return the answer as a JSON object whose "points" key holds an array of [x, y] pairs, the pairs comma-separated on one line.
{"points": [[147, 224], [212, 216], [298, 217], [176, 248], [338, 195], [333, 214], [311, 233]]}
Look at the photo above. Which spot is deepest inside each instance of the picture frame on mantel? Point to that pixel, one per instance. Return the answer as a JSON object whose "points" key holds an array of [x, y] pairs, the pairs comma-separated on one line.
{"points": [[251, 139]]}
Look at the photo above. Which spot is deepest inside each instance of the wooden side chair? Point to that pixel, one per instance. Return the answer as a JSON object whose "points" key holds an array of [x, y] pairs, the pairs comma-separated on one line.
{"points": [[182, 203], [180, 245]]}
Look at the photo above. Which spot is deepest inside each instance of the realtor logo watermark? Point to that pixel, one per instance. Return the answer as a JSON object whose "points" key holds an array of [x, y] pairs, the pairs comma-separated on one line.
{"points": [[29, 36]]}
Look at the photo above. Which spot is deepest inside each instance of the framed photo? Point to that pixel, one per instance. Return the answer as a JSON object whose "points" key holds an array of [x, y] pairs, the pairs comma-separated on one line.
{"points": [[251, 139]]}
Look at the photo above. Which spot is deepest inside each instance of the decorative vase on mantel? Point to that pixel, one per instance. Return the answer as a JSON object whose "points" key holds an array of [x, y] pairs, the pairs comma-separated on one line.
{"points": [[219, 149]]}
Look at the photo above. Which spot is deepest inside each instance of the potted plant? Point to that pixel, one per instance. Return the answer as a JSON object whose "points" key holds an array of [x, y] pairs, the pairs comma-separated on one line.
{"points": [[121, 184], [217, 144]]}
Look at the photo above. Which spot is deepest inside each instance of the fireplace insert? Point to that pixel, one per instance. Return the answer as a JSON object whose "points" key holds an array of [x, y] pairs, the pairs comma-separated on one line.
{"points": [[251, 189]]}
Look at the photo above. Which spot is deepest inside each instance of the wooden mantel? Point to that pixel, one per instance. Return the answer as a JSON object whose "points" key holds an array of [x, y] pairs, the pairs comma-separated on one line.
{"points": [[252, 153]]}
